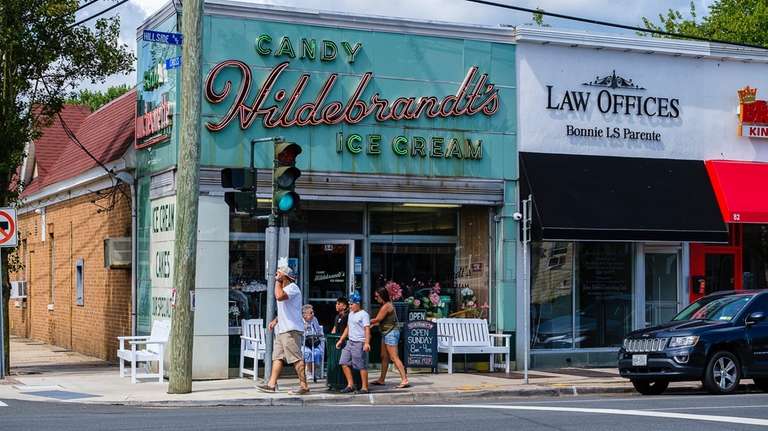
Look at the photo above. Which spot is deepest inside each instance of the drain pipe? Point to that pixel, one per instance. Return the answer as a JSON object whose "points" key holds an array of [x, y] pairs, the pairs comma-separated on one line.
{"points": [[129, 179]]}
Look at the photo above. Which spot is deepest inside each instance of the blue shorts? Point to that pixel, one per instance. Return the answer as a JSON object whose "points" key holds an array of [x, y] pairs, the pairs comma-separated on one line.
{"points": [[392, 338]]}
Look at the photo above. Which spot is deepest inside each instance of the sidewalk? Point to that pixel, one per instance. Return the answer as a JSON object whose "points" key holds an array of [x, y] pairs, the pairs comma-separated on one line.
{"points": [[41, 372]]}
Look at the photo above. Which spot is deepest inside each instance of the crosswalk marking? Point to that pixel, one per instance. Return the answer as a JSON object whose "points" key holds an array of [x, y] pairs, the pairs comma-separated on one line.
{"points": [[647, 413], [2, 404]]}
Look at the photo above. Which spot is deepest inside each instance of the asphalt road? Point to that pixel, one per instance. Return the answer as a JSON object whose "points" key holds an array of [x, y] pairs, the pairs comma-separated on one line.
{"points": [[678, 412]]}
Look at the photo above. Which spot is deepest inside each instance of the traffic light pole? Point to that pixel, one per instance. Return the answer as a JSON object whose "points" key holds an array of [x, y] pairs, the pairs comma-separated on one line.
{"points": [[270, 265]]}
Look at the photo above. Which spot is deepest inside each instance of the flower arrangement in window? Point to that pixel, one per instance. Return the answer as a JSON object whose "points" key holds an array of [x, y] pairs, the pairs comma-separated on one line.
{"points": [[394, 290], [470, 308]]}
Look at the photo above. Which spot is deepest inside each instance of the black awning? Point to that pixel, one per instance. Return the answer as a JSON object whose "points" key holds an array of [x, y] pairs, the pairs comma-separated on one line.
{"points": [[620, 199]]}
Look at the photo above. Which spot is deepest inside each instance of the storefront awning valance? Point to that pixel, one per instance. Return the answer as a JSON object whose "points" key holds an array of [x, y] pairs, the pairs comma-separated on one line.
{"points": [[603, 198], [741, 189]]}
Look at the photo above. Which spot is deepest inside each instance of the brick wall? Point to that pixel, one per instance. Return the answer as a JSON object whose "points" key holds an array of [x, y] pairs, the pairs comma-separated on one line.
{"points": [[74, 229]]}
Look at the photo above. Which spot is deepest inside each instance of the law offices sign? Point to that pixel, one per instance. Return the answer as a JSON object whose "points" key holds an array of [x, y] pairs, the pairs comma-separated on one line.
{"points": [[613, 95]]}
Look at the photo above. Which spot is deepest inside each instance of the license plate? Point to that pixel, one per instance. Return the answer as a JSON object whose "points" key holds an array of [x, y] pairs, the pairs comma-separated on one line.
{"points": [[639, 360]]}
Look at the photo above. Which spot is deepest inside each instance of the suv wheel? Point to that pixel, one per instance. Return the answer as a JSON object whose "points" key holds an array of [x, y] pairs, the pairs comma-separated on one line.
{"points": [[761, 383], [650, 387], [722, 374]]}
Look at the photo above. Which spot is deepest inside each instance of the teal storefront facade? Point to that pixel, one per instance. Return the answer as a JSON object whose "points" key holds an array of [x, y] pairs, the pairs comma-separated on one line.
{"points": [[409, 165]]}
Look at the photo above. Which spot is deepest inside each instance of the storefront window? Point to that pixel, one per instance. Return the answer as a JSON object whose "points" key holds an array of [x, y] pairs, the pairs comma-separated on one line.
{"points": [[581, 294], [402, 220], [755, 256], [552, 295], [424, 272], [603, 294]]}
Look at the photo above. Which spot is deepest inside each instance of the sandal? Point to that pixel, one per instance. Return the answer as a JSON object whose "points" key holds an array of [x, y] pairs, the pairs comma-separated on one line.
{"points": [[377, 383], [403, 386]]}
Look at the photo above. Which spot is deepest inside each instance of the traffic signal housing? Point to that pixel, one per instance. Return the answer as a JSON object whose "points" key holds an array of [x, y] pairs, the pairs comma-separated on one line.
{"points": [[284, 175], [243, 180]]}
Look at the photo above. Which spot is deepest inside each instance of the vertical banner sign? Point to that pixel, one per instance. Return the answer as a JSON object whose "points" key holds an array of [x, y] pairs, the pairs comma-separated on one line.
{"points": [[421, 344], [162, 237]]}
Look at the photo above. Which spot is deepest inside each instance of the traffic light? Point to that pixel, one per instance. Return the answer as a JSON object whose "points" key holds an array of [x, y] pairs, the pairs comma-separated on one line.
{"points": [[284, 176], [244, 180]]}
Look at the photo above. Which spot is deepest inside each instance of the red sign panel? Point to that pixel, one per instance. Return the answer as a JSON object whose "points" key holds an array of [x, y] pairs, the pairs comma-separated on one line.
{"points": [[753, 114]]}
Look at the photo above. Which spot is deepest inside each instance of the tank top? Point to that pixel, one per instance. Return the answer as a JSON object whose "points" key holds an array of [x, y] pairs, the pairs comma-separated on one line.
{"points": [[389, 322]]}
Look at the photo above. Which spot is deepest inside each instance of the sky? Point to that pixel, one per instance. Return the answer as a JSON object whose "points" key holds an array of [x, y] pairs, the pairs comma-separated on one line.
{"points": [[629, 12]]}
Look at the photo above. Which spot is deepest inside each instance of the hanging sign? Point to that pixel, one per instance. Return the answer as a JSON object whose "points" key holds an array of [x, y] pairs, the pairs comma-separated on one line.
{"points": [[8, 231], [154, 127]]}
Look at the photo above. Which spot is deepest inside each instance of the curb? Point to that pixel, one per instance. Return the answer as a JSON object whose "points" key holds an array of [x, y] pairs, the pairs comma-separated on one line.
{"points": [[380, 399]]}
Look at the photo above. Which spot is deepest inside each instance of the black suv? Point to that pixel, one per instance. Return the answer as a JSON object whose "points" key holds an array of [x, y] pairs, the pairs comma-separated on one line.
{"points": [[718, 339]]}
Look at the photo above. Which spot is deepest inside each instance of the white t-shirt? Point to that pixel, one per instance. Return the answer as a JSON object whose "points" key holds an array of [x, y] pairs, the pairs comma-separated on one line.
{"points": [[289, 311], [356, 324]]}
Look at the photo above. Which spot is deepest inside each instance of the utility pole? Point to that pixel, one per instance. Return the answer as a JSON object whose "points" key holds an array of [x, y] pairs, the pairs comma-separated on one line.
{"points": [[527, 210], [187, 199]]}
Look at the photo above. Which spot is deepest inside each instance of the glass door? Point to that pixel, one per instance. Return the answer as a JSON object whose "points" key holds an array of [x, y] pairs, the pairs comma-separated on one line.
{"points": [[662, 275], [330, 275]]}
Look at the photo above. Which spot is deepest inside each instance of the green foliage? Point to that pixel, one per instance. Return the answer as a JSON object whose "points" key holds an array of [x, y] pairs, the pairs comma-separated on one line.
{"points": [[740, 21], [42, 57], [97, 99], [538, 18]]}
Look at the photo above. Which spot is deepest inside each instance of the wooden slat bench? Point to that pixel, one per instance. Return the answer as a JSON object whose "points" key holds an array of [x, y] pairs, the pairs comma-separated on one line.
{"points": [[470, 336]]}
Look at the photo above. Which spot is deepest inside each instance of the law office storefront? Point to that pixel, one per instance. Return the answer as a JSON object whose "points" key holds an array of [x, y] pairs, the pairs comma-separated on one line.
{"points": [[409, 165], [645, 193]]}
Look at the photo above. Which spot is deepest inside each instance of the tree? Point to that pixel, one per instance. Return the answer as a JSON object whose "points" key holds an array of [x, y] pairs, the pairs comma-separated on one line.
{"points": [[96, 99], [740, 21], [42, 56]]}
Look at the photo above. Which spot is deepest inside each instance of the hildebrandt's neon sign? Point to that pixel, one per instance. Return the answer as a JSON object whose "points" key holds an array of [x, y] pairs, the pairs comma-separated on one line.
{"points": [[279, 107]]}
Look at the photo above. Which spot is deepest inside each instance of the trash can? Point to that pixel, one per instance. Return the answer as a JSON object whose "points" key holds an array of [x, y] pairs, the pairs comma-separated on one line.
{"points": [[335, 376]]}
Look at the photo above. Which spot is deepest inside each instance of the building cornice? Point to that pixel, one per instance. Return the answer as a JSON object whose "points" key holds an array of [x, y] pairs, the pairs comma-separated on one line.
{"points": [[291, 15], [644, 45]]}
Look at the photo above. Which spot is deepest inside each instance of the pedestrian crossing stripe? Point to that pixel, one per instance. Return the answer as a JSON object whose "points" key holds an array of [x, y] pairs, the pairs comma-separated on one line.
{"points": [[2, 404]]}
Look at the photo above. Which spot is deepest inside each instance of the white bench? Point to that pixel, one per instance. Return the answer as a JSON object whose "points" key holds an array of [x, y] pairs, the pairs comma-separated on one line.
{"points": [[252, 345], [470, 336], [153, 351]]}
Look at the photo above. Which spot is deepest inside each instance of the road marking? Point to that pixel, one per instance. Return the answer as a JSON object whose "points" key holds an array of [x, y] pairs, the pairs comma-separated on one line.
{"points": [[645, 413], [2, 404], [709, 408]]}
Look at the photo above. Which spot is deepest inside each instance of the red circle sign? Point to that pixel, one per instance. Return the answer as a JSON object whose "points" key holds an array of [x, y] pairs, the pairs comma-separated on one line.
{"points": [[7, 234]]}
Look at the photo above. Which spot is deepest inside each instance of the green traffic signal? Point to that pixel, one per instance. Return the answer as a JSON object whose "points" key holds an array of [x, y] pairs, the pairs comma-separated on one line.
{"points": [[285, 201], [284, 176]]}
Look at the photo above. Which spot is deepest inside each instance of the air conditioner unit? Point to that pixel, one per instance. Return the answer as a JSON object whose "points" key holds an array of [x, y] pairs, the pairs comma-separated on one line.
{"points": [[117, 253], [18, 289]]}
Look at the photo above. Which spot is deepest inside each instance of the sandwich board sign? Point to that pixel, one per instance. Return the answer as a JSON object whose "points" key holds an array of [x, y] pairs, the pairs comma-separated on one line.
{"points": [[8, 230]]}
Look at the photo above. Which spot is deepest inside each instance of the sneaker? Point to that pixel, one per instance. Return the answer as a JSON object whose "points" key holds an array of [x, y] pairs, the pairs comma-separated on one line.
{"points": [[362, 392], [266, 389], [300, 391], [347, 390]]}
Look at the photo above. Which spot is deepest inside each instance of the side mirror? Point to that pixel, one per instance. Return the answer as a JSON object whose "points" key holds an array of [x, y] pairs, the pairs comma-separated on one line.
{"points": [[753, 318]]}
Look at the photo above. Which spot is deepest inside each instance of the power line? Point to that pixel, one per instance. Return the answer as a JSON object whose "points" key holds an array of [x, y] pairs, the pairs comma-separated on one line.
{"points": [[85, 5], [84, 20], [612, 24]]}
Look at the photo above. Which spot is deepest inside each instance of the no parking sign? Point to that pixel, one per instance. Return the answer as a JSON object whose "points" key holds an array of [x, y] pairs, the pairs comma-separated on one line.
{"points": [[8, 231]]}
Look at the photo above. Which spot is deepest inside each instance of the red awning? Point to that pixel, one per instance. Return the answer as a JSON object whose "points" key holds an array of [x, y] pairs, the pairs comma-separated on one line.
{"points": [[741, 189]]}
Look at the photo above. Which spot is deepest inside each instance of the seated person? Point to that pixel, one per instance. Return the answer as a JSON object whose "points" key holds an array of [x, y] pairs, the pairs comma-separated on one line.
{"points": [[313, 348]]}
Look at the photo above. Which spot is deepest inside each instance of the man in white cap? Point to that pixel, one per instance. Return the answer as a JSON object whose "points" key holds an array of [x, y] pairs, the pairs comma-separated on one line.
{"points": [[289, 330]]}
